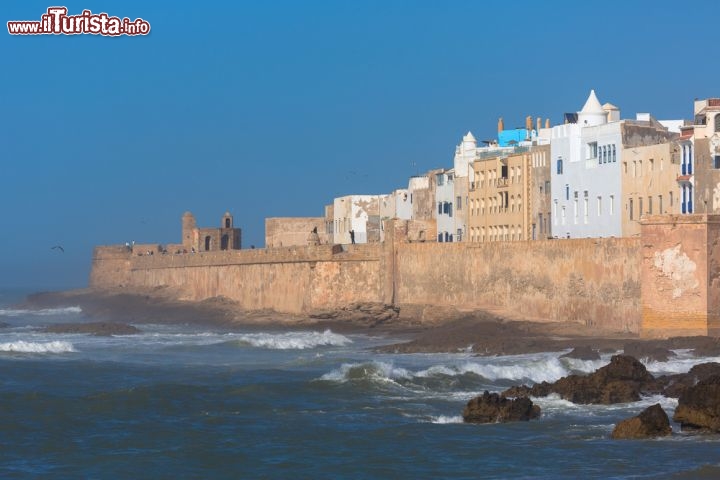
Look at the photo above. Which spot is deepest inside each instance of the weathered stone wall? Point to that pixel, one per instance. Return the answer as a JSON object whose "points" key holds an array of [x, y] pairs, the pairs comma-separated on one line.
{"points": [[681, 275], [591, 281], [595, 282], [293, 231]]}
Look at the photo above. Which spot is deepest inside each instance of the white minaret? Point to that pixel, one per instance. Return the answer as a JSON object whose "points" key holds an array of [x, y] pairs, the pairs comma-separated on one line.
{"points": [[592, 112], [464, 154]]}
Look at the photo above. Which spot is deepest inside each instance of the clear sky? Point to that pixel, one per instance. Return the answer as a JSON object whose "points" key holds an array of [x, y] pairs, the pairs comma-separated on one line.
{"points": [[274, 108]]}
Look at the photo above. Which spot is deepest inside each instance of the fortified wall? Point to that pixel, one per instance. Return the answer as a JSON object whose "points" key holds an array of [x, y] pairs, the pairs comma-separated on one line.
{"points": [[667, 282]]}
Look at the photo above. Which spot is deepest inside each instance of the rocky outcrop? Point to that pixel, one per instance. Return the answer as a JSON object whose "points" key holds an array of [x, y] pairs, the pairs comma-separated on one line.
{"points": [[102, 329], [495, 408], [621, 381], [675, 385], [648, 352], [699, 406], [651, 423], [367, 313], [582, 353]]}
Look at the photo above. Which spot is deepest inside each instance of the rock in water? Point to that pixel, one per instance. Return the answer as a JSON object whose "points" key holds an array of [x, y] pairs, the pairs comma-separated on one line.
{"points": [[494, 408], [621, 381], [93, 328], [652, 422], [699, 406], [647, 351], [582, 353]]}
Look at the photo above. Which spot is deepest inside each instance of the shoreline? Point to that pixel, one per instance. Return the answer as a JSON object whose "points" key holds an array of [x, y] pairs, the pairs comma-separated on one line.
{"points": [[426, 329]]}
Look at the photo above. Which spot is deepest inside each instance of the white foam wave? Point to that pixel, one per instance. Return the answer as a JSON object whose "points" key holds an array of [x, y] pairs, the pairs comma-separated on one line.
{"points": [[682, 363], [548, 369], [446, 419], [12, 312], [294, 340], [377, 371], [21, 346]]}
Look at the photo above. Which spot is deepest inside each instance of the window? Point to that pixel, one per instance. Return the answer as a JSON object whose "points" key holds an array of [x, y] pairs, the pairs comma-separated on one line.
{"points": [[592, 150], [567, 192], [599, 206], [671, 199], [660, 205], [555, 213], [640, 170], [585, 210], [459, 203], [440, 208], [575, 211], [652, 164], [547, 187], [717, 122], [612, 204], [716, 158], [563, 215], [649, 205], [559, 166], [614, 154], [634, 168], [440, 179], [640, 207], [625, 166], [630, 209]]}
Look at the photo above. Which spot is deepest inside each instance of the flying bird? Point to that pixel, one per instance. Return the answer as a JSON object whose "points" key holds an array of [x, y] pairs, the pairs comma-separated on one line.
{"points": [[58, 247]]}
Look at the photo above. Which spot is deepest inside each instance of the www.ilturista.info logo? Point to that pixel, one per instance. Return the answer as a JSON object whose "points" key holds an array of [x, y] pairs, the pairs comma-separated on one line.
{"points": [[57, 22]]}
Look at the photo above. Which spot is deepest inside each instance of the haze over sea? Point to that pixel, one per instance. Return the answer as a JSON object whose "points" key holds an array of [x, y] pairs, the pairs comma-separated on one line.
{"points": [[191, 401]]}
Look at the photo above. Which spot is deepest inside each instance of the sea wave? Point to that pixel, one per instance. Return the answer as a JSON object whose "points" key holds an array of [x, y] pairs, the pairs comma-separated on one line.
{"points": [[293, 340], [22, 346], [16, 312], [446, 419]]}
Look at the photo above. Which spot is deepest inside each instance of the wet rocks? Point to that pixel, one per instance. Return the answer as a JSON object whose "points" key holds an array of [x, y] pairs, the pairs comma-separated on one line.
{"points": [[676, 384], [699, 406], [647, 351], [103, 329], [651, 423], [582, 353], [495, 408], [621, 381], [364, 313]]}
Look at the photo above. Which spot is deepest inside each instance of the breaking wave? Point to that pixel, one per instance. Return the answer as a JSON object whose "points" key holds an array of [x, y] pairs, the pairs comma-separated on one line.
{"points": [[21, 346], [12, 312], [547, 369], [293, 340], [446, 419]]}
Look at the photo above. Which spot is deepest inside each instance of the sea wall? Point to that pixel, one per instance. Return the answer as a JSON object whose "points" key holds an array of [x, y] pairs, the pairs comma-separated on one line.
{"points": [[593, 281]]}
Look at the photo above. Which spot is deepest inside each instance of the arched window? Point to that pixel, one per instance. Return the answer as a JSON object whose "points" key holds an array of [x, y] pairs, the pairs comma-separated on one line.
{"points": [[717, 122], [208, 243], [559, 166]]}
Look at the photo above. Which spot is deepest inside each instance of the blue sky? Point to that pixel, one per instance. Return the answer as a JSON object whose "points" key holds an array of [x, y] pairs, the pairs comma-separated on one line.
{"points": [[274, 108]]}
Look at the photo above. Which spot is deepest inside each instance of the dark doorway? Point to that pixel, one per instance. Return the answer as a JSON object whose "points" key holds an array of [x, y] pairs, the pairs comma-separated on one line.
{"points": [[224, 242], [227, 223], [208, 243]]}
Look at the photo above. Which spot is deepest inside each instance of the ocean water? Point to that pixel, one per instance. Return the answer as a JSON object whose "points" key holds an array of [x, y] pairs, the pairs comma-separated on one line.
{"points": [[184, 401]]}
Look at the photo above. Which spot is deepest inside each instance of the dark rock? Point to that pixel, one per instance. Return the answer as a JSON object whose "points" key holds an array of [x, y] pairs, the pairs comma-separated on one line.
{"points": [[94, 328], [494, 408], [582, 353], [652, 422], [647, 351], [699, 406], [711, 348], [621, 381], [676, 384]]}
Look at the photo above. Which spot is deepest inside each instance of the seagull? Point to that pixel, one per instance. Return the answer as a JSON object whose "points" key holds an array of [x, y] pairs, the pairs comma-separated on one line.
{"points": [[58, 247]]}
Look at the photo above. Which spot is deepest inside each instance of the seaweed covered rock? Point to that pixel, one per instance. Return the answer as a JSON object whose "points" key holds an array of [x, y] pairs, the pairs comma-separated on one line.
{"points": [[651, 423], [495, 408]]}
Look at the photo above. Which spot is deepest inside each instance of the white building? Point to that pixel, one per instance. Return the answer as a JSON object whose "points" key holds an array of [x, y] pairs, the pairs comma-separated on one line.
{"points": [[444, 201], [586, 180], [359, 214]]}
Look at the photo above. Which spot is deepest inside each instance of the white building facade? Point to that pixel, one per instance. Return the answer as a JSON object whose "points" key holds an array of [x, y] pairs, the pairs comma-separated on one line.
{"points": [[585, 174]]}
